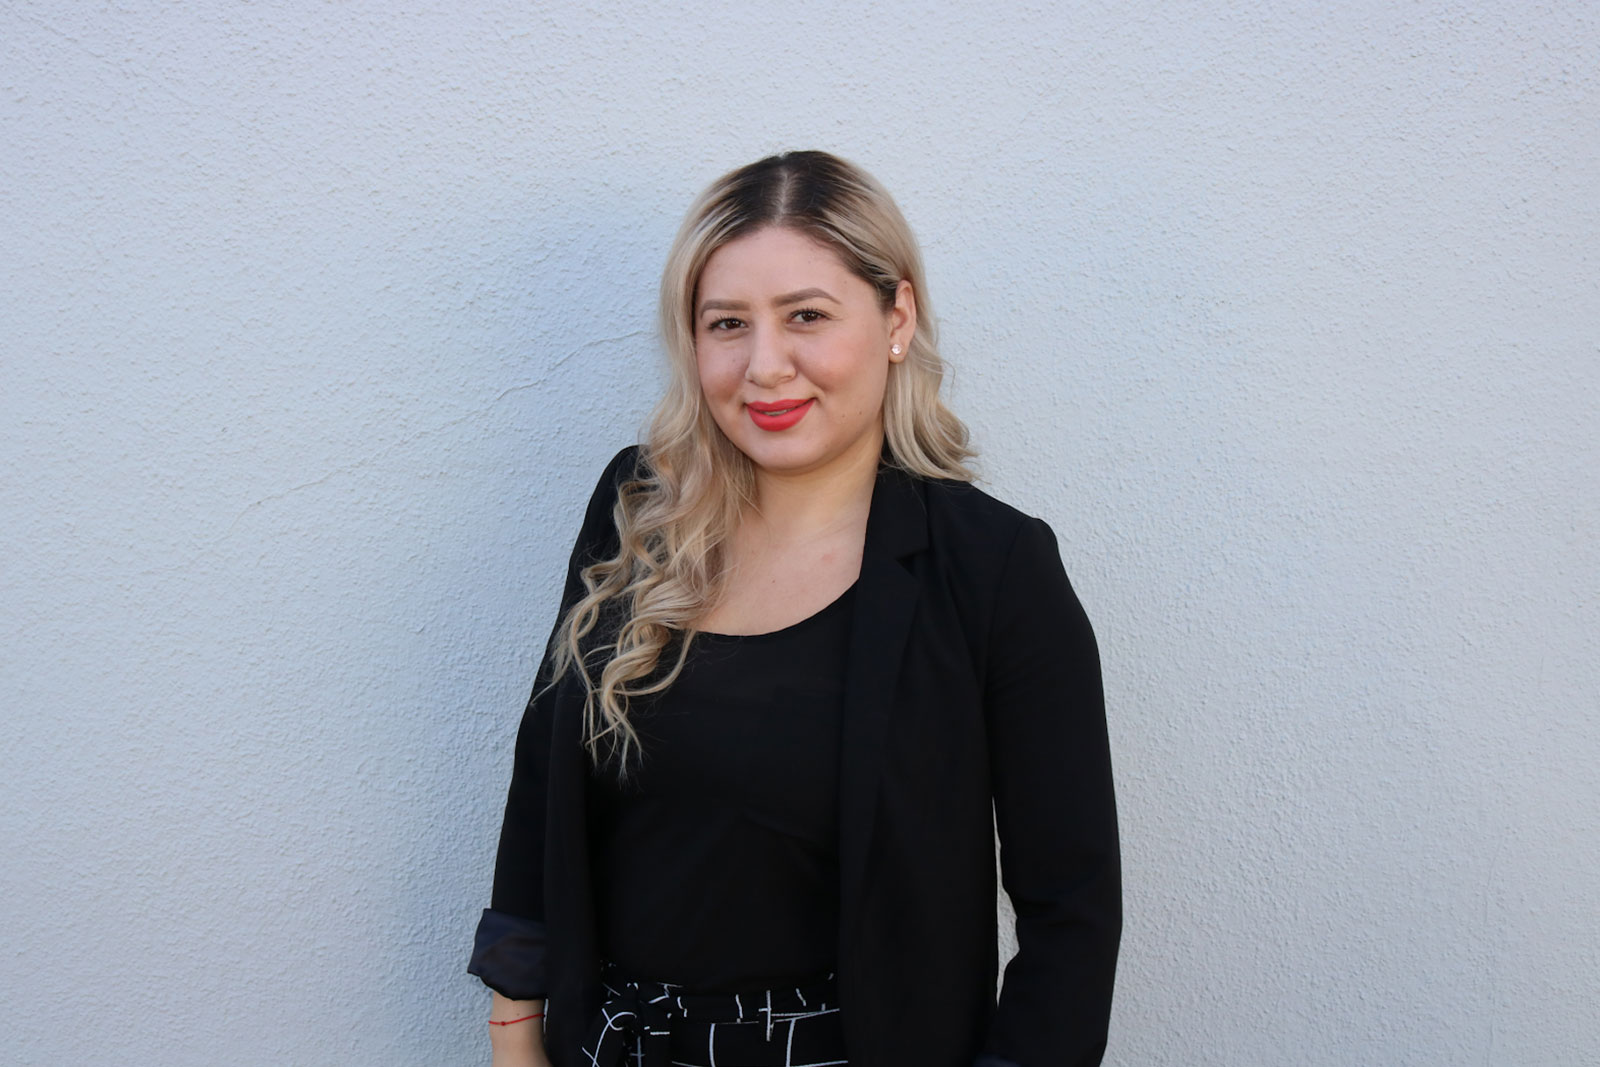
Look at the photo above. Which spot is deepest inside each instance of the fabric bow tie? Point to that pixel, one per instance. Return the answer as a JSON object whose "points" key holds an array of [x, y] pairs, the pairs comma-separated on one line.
{"points": [[645, 1011]]}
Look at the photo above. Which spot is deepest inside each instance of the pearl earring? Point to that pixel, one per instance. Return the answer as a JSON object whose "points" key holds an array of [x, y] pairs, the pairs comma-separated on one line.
{"points": [[894, 349]]}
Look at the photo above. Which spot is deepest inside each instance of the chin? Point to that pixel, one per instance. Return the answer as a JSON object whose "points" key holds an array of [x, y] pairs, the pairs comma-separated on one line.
{"points": [[778, 456], [780, 462]]}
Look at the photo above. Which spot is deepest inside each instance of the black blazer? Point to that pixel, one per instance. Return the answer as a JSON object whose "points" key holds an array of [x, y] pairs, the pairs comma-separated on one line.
{"points": [[973, 701]]}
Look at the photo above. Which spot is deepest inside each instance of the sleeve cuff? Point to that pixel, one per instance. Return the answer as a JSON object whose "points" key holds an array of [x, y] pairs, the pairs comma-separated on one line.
{"points": [[508, 954]]}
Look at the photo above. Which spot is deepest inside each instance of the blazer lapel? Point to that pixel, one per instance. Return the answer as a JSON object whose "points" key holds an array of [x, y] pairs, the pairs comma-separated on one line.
{"points": [[885, 601]]}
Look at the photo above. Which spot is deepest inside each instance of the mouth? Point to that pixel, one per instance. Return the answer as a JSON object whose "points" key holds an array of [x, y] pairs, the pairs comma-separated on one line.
{"points": [[777, 407], [779, 414]]}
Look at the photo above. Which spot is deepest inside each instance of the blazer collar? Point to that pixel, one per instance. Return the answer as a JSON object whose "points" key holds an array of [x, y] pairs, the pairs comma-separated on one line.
{"points": [[885, 602], [897, 520]]}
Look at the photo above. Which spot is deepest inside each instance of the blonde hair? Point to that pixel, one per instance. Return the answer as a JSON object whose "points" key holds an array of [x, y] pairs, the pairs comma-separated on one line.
{"points": [[675, 514]]}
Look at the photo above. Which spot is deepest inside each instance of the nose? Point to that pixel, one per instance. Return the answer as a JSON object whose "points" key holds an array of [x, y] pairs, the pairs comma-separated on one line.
{"points": [[771, 362]]}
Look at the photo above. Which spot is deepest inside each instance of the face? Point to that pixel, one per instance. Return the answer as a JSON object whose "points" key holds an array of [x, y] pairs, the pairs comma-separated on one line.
{"points": [[793, 352]]}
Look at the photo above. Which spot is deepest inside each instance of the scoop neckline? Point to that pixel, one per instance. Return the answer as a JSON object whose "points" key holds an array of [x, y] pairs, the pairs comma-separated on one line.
{"points": [[820, 613]]}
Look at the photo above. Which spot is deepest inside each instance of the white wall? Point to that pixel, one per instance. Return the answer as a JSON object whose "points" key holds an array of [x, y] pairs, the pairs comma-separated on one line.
{"points": [[318, 320]]}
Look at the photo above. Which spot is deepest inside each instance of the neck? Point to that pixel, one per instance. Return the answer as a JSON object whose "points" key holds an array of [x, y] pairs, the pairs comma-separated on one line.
{"points": [[800, 506]]}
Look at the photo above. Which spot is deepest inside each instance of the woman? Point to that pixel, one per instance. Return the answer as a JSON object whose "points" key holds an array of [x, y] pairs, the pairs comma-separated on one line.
{"points": [[802, 672]]}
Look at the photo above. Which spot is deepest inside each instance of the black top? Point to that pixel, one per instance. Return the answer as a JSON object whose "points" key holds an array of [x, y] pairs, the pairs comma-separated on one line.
{"points": [[716, 863]]}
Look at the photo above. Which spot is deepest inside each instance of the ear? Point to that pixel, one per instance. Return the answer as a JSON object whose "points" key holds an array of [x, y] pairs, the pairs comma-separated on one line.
{"points": [[902, 320]]}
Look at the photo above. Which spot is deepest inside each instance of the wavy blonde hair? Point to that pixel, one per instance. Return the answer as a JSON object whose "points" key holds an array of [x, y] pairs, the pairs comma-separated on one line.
{"points": [[675, 514]]}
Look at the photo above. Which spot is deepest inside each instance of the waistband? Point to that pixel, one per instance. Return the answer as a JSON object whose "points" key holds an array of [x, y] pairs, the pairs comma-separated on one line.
{"points": [[646, 1010]]}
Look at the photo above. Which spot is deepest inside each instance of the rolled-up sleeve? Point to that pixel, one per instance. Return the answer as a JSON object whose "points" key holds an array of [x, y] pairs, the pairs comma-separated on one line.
{"points": [[508, 953]]}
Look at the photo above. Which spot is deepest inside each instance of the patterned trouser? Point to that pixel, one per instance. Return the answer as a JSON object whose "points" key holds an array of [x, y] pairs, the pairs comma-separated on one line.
{"points": [[656, 1024]]}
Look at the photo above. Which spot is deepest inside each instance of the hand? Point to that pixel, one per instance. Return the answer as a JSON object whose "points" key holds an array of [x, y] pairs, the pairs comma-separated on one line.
{"points": [[533, 1057]]}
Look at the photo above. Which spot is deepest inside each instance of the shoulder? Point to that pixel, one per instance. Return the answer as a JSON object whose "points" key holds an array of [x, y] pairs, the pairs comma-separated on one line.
{"points": [[960, 515], [629, 463], [993, 550], [623, 466], [598, 526], [965, 498]]}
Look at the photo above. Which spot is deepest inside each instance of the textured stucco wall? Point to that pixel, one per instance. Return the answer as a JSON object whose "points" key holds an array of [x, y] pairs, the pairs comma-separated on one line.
{"points": [[318, 319]]}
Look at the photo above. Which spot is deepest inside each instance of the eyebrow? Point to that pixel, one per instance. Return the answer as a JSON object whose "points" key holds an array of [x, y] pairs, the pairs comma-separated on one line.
{"points": [[787, 298]]}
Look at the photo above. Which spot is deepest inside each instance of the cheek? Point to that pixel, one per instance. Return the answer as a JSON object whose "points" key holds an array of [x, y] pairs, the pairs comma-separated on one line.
{"points": [[719, 377], [873, 394], [859, 372]]}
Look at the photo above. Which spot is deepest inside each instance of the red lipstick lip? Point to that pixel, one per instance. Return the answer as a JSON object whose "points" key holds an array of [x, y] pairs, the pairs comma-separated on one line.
{"points": [[770, 406], [761, 414]]}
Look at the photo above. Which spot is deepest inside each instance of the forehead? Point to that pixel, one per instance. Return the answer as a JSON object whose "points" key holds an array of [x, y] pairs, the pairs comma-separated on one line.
{"points": [[774, 259]]}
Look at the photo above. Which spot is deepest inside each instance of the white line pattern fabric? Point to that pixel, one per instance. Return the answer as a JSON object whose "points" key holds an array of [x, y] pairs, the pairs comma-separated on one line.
{"points": [[658, 1024]]}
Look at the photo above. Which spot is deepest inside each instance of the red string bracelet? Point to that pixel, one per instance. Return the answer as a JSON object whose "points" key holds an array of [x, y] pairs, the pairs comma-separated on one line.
{"points": [[508, 1022]]}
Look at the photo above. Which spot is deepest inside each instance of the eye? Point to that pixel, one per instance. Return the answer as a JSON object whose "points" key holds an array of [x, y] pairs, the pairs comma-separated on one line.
{"points": [[809, 315], [724, 324]]}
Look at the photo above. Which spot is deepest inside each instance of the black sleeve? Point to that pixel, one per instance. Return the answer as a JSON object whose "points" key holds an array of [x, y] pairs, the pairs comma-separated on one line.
{"points": [[1056, 815], [509, 949]]}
